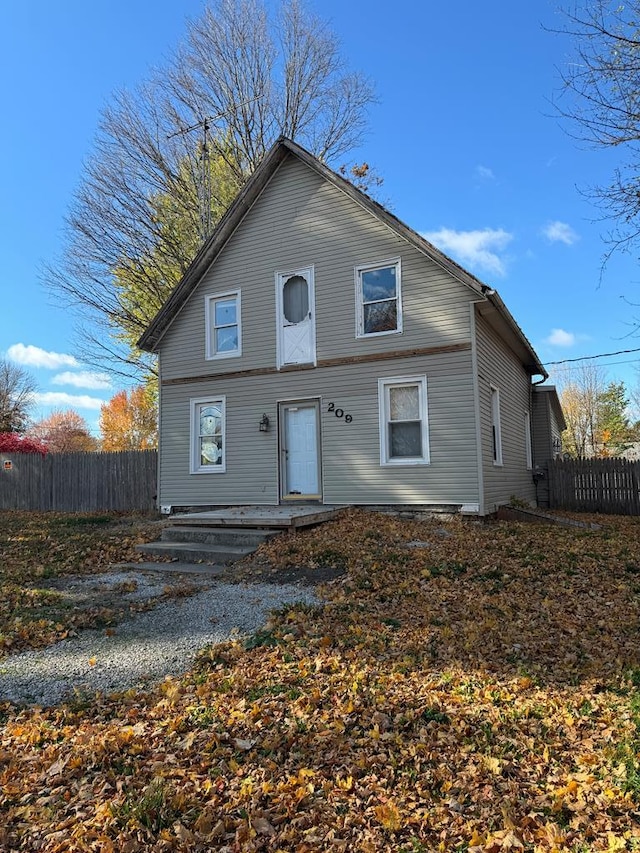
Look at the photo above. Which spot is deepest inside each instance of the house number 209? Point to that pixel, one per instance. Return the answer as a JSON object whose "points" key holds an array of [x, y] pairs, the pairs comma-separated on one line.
{"points": [[339, 413]]}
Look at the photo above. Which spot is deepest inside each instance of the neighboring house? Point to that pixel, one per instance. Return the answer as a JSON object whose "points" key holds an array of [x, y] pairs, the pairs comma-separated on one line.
{"points": [[318, 349], [632, 453]]}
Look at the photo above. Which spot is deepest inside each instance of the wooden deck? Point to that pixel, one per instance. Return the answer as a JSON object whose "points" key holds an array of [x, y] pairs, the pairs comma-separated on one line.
{"points": [[274, 517]]}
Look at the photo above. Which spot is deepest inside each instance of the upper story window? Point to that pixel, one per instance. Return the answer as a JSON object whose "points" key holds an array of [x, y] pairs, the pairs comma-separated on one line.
{"points": [[223, 331], [378, 300]]}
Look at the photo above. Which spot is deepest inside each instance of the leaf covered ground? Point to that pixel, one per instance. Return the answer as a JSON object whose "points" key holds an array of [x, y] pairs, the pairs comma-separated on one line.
{"points": [[36, 548], [466, 687]]}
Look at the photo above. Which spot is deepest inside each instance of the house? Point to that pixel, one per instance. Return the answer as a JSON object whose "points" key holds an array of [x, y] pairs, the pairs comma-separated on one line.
{"points": [[318, 349]]}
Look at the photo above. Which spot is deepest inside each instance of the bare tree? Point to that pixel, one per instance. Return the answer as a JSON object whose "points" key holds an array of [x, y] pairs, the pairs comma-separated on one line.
{"points": [[601, 99], [136, 221], [17, 388], [596, 411], [634, 398]]}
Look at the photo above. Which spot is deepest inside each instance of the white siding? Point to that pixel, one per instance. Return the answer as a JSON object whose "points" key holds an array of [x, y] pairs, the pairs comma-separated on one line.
{"points": [[499, 367], [350, 451], [542, 430], [301, 220]]}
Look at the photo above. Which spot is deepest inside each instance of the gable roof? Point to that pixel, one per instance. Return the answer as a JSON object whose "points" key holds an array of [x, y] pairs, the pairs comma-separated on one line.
{"points": [[243, 202]]}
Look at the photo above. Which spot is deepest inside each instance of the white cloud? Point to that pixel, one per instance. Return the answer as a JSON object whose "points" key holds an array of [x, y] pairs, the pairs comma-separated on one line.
{"points": [[484, 173], [82, 379], [560, 338], [560, 232], [478, 249], [59, 399], [36, 357]]}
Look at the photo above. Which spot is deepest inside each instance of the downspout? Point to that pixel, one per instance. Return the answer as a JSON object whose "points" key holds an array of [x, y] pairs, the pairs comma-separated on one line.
{"points": [[476, 407], [537, 473], [158, 494]]}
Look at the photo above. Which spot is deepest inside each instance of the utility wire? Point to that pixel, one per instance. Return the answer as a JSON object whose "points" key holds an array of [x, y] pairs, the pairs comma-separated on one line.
{"points": [[605, 364], [587, 357]]}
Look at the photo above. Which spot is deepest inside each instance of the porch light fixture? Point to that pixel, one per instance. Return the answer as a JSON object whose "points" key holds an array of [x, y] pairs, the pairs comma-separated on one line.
{"points": [[264, 424]]}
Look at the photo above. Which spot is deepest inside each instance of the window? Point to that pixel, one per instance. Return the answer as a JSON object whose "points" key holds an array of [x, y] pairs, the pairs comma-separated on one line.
{"points": [[527, 440], [295, 299], [208, 438], [379, 306], [496, 433], [404, 433], [222, 313]]}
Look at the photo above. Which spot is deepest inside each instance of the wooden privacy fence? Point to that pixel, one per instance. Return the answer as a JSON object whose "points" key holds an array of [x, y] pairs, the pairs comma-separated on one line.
{"points": [[79, 482], [595, 485]]}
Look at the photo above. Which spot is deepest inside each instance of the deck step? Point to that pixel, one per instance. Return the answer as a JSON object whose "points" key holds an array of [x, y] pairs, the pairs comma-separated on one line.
{"points": [[245, 537], [196, 552], [259, 517], [223, 536]]}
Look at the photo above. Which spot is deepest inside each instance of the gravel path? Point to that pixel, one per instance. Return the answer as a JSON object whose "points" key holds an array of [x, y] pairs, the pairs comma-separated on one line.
{"points": [[146, 647]]}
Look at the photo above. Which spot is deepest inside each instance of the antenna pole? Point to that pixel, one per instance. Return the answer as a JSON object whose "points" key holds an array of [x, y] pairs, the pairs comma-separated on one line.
{"points": [[204, 190]]}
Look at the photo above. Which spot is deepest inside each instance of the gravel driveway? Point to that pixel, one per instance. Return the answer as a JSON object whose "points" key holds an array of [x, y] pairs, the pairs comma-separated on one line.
{"points": [[147, 646]]}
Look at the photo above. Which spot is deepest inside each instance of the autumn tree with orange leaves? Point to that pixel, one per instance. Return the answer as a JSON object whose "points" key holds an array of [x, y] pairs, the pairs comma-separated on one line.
{"points": [[64, 432], [129, 421]]}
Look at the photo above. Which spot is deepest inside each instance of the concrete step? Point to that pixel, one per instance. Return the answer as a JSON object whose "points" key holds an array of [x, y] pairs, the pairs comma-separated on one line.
{"points": [[194, 552], [217, 536]]}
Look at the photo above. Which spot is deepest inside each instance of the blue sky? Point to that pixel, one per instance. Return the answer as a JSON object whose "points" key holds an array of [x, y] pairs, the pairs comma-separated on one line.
{"points": [[464, 136]]}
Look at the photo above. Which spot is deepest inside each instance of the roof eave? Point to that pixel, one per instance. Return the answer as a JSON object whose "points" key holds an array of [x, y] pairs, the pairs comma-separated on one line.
{"points": [[535, 366]]}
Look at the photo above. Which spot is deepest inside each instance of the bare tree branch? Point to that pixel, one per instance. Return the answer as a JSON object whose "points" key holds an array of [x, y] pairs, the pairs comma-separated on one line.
{"points": [[135, 222], [17, 389], [601, 101]]}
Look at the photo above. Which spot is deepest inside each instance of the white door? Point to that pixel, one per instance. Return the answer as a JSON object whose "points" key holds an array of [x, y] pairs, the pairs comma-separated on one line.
{"points": [[296, 323], [300, 448]]}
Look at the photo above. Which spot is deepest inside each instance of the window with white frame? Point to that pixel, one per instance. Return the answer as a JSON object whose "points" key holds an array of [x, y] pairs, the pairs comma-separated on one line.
{"points": [[496, 431], [223, 331], [527, 440], [404, 428], [208, 436], [378, 299]]}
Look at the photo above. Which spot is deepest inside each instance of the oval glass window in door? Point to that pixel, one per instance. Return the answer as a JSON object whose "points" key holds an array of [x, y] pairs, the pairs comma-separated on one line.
{"points": [[295, 299]]}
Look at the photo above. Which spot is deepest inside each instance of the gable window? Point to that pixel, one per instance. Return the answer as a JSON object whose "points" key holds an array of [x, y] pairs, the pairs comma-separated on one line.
{"points": [[404, 432], [208, 436], [223, 338], [496, 431], [378, 302]]}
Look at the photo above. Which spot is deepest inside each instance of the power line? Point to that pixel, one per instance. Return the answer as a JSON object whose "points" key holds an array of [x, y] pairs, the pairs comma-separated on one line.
{"points": [[607, 363], [587, 357]]}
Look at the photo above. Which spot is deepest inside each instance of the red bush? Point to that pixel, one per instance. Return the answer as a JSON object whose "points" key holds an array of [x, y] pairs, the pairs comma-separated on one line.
{"points": [[12, 443]]}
